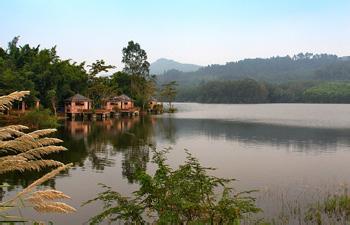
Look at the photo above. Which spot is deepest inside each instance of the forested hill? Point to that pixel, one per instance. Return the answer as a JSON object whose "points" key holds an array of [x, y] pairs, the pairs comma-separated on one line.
{"points": [[162, 65], [276, 69]]}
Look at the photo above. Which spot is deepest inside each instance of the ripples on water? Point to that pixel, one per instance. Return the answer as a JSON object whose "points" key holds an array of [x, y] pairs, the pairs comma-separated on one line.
{"points": [[281, 149]]}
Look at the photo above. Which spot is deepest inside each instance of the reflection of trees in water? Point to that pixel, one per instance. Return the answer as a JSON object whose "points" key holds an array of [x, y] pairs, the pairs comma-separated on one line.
{"points": [[99, 142], [17, 179], [134, 158], [134, 145], [104, 139], [289, 137], [166, 128]]}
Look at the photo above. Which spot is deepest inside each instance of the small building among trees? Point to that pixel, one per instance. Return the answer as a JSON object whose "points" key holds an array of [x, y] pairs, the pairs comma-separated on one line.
{"points": [[154, 106], [77, 104], [152, 103], [121, 102]]}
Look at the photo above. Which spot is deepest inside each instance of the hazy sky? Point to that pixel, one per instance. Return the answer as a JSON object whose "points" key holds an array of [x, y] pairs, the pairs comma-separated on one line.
{"points": [[193, 31]]}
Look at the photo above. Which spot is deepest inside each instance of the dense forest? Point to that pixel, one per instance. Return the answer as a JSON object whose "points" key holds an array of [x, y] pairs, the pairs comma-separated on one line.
{"points": [[302, 78], [276, 69], [52, 79], [252, 91]]}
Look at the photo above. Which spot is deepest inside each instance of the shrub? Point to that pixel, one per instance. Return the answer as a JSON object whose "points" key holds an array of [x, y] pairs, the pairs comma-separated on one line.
{"points": [[40, 119], [187, 195]]}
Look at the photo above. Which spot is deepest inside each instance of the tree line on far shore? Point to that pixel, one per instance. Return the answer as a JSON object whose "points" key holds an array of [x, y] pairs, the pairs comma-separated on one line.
{"points": [[305, 77], [252, 91]]}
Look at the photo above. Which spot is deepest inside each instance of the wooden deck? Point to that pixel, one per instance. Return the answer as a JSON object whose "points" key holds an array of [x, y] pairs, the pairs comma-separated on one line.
{"points": [[101, 113]]}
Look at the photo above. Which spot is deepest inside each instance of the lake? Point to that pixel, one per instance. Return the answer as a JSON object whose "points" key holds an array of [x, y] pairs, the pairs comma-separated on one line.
{"points": [[287, 151]]}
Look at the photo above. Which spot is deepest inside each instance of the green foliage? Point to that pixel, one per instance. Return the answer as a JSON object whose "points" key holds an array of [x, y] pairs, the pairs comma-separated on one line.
{"points": [[333, 208], [275, 70], [168, 93], [187, 195], [40, 119], [338, 71], [329, 93], [100, 88], [286, 78], [135, 60], [241, 91], [251, 91], [39, 70], [51, 95], [98, 67], [123, 81], [142, 85]]}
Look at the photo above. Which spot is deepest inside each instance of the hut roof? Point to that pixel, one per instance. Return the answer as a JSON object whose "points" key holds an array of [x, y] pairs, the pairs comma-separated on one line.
{"points": [[124, 98], [153, 99], [119, 98], [78, 98]]}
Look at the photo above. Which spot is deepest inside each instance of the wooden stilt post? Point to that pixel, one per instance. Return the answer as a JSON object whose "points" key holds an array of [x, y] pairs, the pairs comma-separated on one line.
{"points": [[23, 106]]}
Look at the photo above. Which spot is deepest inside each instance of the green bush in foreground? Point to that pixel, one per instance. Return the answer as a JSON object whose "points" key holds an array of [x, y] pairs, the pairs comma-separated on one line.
{"points": [[40, 119], [187, 195]]}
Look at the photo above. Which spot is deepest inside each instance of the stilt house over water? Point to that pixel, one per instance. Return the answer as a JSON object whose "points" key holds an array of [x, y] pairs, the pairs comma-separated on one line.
{"points": [[77, 104], [121, 102]]}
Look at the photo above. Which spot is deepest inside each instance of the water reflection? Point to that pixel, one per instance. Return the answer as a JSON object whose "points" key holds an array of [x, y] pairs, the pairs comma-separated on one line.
{"points": [[95, 144], [98, 142], [294, 138], [260, 155]]}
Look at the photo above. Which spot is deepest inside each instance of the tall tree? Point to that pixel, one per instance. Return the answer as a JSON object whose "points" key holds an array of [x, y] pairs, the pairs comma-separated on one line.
{"points": [[168, 93], [142, 85], [51, 95], [99, 88], [98, 67], [135, 60]]}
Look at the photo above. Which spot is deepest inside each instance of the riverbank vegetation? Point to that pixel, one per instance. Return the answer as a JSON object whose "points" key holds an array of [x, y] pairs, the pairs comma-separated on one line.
{"points": [[39, 119], [51, 79]]}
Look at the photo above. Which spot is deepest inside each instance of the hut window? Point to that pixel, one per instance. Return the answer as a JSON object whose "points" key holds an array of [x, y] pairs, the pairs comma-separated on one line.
{"points": [[125, 103], [79, 103]]}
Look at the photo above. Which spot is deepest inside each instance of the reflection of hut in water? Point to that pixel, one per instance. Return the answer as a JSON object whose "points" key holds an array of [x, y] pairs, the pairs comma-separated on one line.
{"points": [[125, 124], [108, 124], [78, 128], [77, 104]]}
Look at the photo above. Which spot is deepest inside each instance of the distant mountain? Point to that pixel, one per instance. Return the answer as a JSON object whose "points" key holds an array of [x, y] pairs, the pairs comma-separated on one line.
{"points": [[162, 65], [276, 69]]}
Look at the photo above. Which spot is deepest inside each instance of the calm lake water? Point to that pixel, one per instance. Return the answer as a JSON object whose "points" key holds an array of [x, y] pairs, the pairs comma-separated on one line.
{"points": [[284, 150]]}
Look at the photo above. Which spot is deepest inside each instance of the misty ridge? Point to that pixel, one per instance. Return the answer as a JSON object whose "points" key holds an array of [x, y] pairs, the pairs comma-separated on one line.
{"points": [[303, 66], [163, 65], [302, 78]]}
